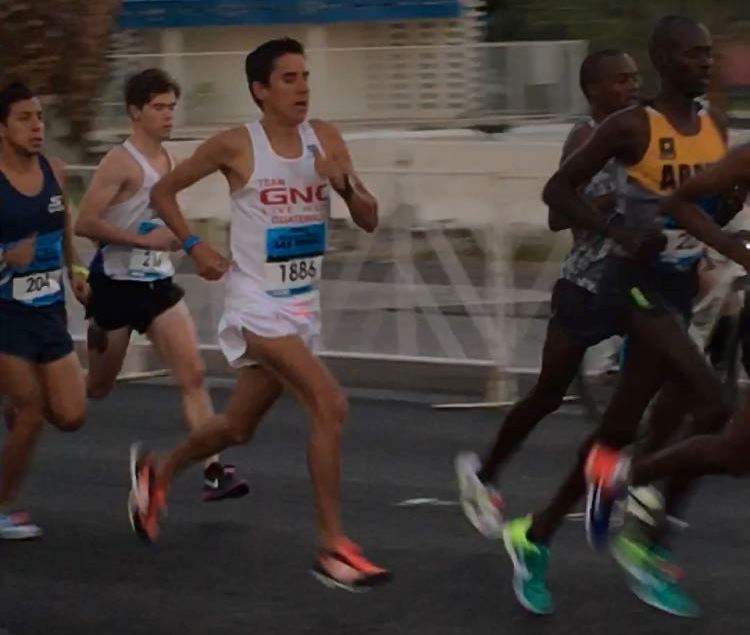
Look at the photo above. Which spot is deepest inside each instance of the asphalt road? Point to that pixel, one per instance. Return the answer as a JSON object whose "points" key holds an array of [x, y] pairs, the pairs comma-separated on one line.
{"points": [[242, 566]]}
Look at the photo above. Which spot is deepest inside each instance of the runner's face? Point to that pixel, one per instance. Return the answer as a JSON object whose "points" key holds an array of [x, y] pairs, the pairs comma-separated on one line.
{"points": [[156, 117], [288, 92], [689, 62], [24, 129], [619, 83]]}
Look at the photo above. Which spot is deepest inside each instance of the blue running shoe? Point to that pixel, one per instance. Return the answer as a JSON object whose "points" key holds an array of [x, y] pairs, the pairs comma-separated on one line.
{"points": [[598, 512]]}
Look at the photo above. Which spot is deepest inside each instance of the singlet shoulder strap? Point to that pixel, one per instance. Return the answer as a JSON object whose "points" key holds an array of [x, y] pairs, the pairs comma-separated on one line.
{"points": [[308, 136], [141, 160], [46, 167]]}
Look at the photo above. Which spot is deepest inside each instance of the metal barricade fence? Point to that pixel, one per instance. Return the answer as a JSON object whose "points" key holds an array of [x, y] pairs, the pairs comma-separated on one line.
{"points": [[437, 291]]}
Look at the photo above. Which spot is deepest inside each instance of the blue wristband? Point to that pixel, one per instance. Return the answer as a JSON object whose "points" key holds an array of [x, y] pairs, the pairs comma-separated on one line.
{"points": [[190, 242]]}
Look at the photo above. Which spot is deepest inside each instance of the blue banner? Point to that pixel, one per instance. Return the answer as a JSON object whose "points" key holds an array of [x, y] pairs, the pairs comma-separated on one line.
{"points": [[160, 14]]}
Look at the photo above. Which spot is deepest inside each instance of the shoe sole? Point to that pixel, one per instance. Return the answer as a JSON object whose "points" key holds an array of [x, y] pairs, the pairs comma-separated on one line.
{"points": [[135, 523], [635, 589], [30, 536], [331, 583], [635, 581], [238, 491], [469, 507], [590, 495]]}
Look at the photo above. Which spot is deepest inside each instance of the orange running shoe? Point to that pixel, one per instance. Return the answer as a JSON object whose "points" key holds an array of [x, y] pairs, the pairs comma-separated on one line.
{"points": [[147, 500], [607, 474], [346, 567], [608, 468]]}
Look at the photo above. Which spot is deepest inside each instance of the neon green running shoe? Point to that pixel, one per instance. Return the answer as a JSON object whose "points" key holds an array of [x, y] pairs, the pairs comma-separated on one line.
{"points": [[653, 576], [530, 564]]}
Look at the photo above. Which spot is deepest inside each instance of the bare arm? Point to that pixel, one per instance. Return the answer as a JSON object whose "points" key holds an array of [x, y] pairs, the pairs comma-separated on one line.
{"points": [[211, 156], [108, 181], [617, 137], [556, 220], [70, 254], [731, 201], [362, 205], [731, 171]]}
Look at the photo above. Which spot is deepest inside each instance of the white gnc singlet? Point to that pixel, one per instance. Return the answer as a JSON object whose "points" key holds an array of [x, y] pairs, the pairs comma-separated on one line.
{"points": [[121, 262], [278, 239]]}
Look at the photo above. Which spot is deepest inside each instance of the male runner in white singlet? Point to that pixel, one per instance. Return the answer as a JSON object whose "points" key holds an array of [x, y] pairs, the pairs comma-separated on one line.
{"points": [[279, 171], [131, 273]]}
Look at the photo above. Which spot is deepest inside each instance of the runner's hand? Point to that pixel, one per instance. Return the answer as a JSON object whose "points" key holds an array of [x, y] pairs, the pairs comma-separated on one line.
{"points": [[22, 253], [652, 243], [79, 283], [734, 200], [209, 263], [329, 168], [642, 244]]}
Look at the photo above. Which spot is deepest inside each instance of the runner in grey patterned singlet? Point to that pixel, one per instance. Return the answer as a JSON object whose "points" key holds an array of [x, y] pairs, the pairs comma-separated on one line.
{"points": [[583, 265], [609, 79]]}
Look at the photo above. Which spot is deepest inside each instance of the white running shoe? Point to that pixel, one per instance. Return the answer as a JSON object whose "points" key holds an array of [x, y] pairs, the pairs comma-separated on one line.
{"points": [[482, 504], [18, 526]]}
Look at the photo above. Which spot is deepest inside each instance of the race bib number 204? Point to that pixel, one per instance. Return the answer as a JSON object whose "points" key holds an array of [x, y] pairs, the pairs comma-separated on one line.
{"points": [[36, 286]]}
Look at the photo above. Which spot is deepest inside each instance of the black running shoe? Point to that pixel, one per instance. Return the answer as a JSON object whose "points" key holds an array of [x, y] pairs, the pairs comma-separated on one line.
{"points": [[221, 482]]}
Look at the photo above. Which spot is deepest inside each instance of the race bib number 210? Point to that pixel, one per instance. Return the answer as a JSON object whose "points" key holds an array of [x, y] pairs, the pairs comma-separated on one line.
{"points": [[145, 263]]}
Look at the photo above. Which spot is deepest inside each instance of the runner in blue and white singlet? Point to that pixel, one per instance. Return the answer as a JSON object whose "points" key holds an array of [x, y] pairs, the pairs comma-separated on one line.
{"points": [[40, 375]]}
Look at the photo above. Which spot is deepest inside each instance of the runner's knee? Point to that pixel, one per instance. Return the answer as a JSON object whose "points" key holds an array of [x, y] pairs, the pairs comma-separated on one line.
{"points": [[27, 411], [191, 376], [238, 434], [236, 431], [331, 408], [547, 398], [69, 418], [28, 399]]}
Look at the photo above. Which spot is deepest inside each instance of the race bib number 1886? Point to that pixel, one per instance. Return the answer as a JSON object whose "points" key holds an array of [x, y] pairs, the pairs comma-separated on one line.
{"points": [[293, 274], [294, 258]]}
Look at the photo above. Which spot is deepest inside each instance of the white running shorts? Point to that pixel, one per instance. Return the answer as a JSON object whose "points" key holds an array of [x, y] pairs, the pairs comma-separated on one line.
{"points": [[267, 317]]}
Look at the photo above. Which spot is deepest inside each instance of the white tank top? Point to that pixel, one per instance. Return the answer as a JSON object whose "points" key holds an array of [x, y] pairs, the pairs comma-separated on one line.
{"points": [[279, 221], [123, 262]]}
